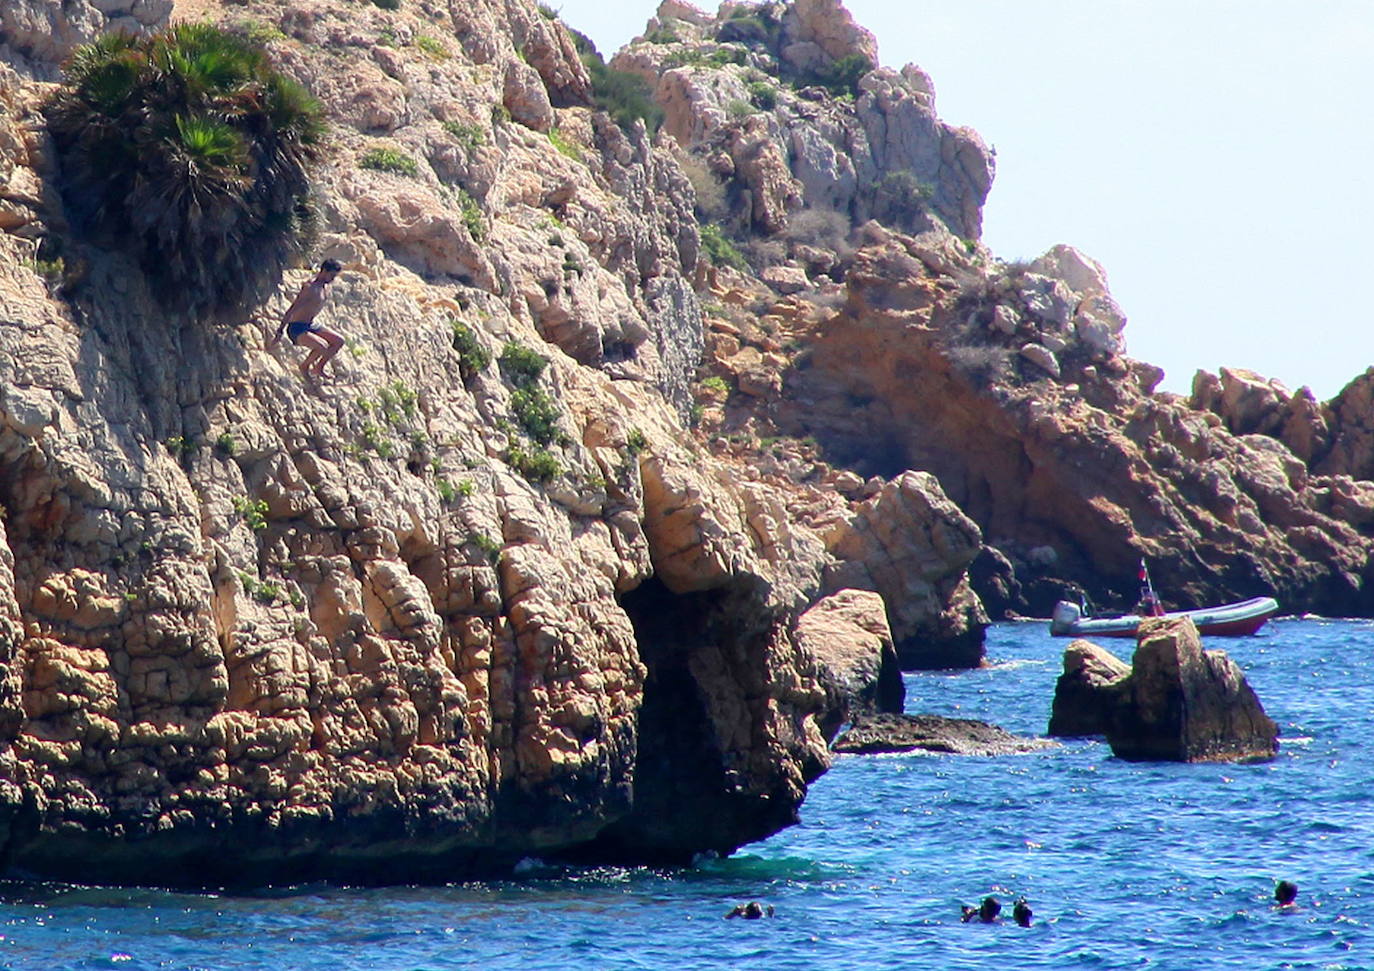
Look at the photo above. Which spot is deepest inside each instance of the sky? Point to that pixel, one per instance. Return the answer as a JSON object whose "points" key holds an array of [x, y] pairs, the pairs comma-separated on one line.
{"points": [[1215, 156]]}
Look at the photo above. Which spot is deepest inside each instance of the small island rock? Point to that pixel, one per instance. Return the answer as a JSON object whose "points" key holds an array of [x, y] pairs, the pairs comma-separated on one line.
{"points": [[932, 733], [1179, 703], [1187, 704], [1088, 693]]}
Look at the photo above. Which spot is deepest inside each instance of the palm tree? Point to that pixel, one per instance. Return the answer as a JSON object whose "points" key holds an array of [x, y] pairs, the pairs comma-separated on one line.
{"points": [[190, 150]]}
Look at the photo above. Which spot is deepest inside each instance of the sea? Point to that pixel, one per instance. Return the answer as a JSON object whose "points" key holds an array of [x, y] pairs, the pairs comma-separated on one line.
{"points": [[1125, 865]]}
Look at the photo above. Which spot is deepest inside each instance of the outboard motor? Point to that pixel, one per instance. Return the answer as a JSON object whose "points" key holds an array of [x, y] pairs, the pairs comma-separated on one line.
{"points": [[1064, 616]]}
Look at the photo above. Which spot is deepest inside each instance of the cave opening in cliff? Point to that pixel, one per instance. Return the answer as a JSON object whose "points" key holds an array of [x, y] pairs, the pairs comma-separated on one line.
{"points": [[680, 773], [882, 452]]}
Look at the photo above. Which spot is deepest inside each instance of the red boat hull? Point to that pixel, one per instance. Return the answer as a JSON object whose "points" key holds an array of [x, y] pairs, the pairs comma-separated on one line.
{"points": [[1235, 628]]}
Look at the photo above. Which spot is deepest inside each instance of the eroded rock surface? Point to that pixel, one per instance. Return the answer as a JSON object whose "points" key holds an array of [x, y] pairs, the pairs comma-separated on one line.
{"points": [[763, 128], [253, 629], [873, 734], [1054, 443], [937, 621], [37, 35], [1174, 702], [1189, 705], [847, 635], [1089, 693]]}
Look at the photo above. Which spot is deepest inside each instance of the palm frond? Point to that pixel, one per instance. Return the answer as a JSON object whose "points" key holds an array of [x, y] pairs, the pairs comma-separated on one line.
{"points": [[191, 150]]}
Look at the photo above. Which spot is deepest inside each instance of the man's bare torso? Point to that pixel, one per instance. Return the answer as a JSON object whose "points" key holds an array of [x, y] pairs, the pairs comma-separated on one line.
{"points": [[310, 301]]}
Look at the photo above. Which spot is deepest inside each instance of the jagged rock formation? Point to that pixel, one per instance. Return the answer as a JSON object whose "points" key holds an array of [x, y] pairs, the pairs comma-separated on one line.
{"points": [[1089, 692], [848, 636], [935, 616], [1189, 705], [1174, 702], [1335, 439], [873, 734], [1010, 388], [35, 35], [744, 92], [410, 615], [253, 630]]}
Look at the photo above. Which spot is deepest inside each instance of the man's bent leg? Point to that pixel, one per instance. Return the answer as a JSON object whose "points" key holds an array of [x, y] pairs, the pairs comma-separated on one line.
{"points": [[317, 347], [333, 342]]}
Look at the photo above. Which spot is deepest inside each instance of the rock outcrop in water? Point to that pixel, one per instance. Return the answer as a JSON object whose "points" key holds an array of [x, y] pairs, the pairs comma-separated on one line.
{"points": [[873, 734], [1089, 693], [252, 630], [1175, 702], [848, 636]]}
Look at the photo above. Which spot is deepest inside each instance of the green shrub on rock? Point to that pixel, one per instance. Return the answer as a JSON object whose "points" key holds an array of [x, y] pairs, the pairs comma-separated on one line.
{"points": [[189, 151], [625, 96], [763, 95], [841, 77], [523, 365], [387, 159], [473, 358], [720, 250], [900, 199]]}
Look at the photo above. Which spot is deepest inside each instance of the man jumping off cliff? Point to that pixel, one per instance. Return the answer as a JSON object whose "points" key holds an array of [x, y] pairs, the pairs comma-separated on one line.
{"points": [[299, 322]]}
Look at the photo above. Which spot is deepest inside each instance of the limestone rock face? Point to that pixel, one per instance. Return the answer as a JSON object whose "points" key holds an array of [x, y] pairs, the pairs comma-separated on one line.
{"points": [[422, 613], [913, 546], [1185, 704], [1248, 403], [762, 166], [848, 636], [887, 156], [908, 141], [1096, 320], [37, 35], [1089, 694], [830, 27], [1075, 477], [1350, 431], [327, 625]]}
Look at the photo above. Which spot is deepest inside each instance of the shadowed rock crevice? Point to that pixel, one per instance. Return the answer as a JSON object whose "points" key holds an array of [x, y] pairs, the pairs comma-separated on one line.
{"points": [[707, 670]]}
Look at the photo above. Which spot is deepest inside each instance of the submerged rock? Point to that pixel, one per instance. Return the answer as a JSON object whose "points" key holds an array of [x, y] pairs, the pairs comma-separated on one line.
{"points": [[1178, 703], [932, 733]]}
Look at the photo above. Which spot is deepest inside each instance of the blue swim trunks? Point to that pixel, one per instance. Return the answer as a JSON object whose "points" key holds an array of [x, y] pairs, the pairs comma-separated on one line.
{"points": [[298, 327]]}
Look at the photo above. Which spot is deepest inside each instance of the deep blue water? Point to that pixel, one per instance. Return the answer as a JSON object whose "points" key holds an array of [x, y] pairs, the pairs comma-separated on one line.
{"points": [[1126, 865]]}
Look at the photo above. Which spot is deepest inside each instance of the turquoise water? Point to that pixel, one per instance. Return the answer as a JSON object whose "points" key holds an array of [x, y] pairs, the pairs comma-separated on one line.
{"points": [[1126, 865]]}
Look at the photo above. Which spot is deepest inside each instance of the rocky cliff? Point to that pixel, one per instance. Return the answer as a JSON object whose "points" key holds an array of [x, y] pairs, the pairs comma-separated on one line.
{"points": [[647, 453]]}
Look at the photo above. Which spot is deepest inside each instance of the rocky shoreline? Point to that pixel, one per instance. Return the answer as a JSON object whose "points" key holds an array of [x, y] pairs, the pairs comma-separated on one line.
{"points": [[659, 446]]}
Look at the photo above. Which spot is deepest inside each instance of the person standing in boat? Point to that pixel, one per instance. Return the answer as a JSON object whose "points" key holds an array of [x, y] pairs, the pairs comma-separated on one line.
{"points": [[1149, 605]]}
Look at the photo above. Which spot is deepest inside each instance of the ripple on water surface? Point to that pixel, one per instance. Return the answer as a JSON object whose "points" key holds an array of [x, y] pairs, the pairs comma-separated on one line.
{"points": [[1126, 865]]}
